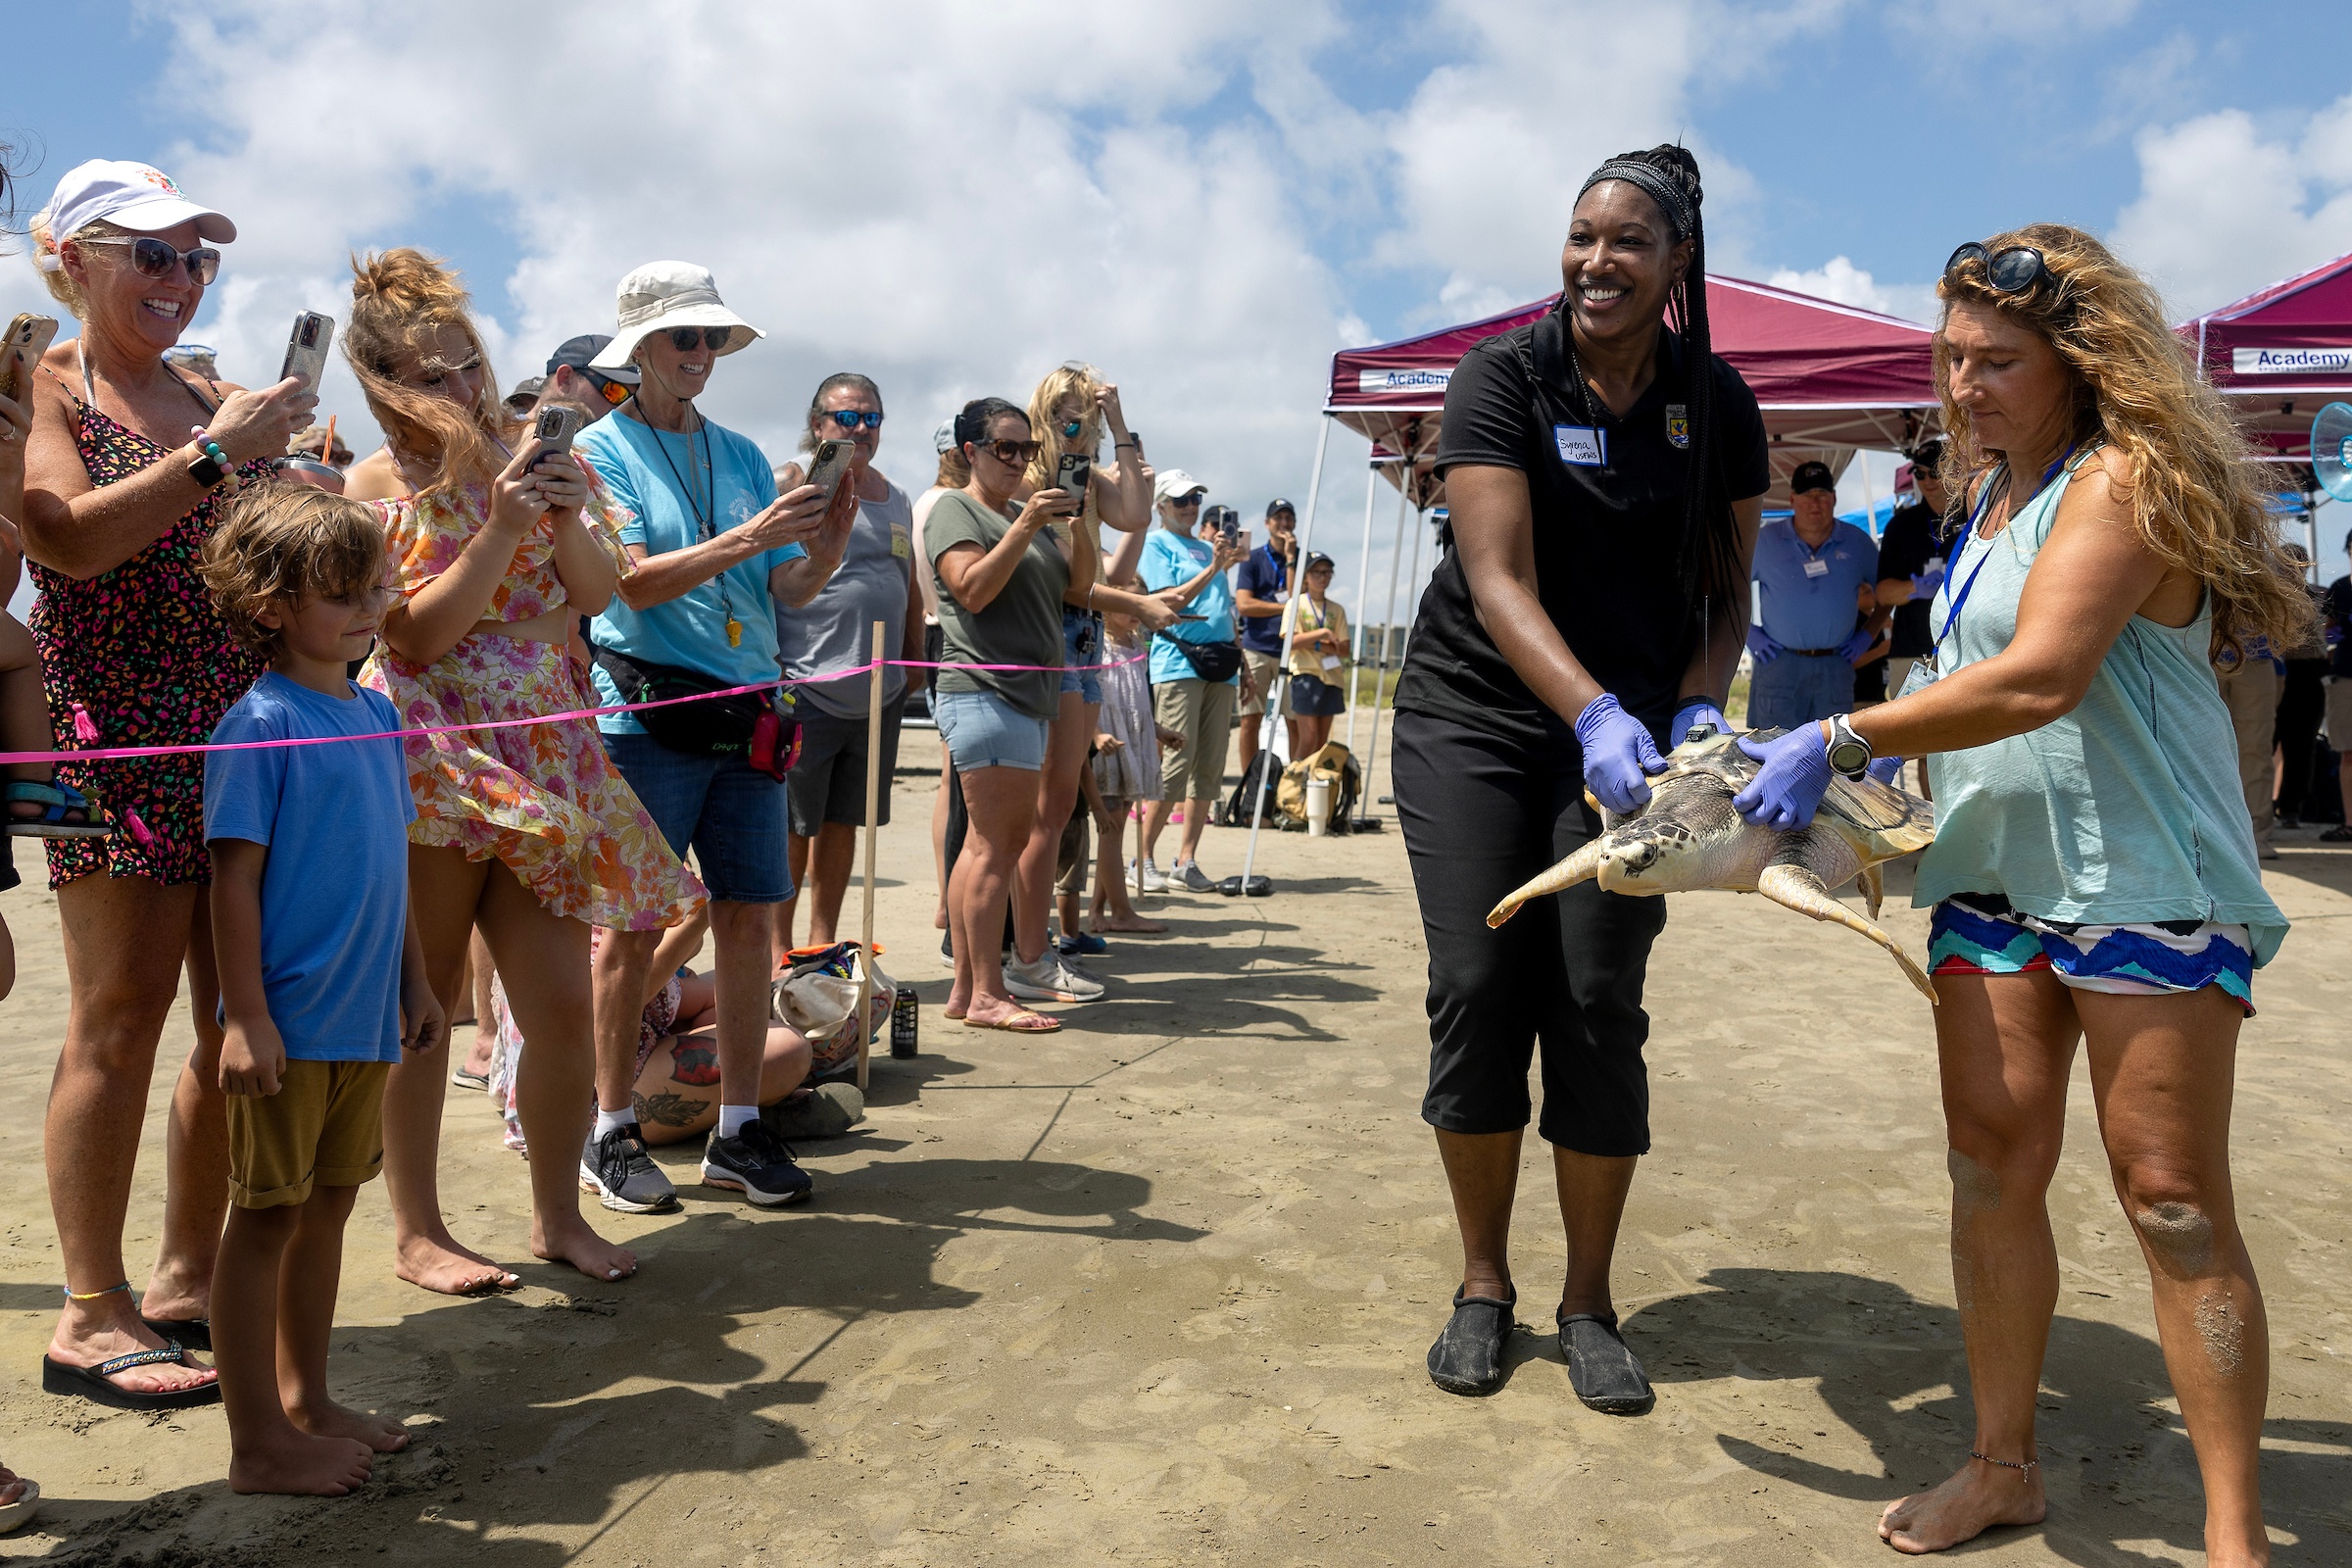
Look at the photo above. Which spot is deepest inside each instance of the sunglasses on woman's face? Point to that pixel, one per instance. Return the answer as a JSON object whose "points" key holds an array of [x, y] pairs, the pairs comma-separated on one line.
{"points": [[851, 418], [1011, 452], [2012, 270], [1071, 427], [714, 338], [151, 258]]}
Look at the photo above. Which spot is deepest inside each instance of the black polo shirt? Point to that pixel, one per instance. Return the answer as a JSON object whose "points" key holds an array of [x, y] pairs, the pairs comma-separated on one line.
{"points": [[1608, 526], [1910, 542]]}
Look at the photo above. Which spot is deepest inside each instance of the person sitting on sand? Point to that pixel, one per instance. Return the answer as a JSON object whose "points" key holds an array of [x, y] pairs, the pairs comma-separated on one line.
{"points": [[2093, 876], [323, 983]]}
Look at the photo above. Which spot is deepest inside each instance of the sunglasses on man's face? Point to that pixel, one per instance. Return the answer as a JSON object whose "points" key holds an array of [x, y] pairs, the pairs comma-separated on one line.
{"points": [[151, 258], [714, 338], [1011, 452], [851, 418], [615, 393]]}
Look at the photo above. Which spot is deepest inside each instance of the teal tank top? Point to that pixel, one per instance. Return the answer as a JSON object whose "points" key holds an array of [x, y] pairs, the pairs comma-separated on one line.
{"points": [[2128, 809]]}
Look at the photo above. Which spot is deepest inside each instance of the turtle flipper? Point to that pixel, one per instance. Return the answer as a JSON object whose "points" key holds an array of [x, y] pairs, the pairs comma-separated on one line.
{"points": [[1796, 886], [1582, 866], [1874, 889]]}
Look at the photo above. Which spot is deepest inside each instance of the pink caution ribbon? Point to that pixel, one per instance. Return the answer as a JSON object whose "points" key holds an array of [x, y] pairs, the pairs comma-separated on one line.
{"points": [[117, 752]]}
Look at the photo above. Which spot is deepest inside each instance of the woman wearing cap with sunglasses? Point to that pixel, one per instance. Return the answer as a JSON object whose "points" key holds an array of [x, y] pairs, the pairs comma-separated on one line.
{"points": [[1605, 478], [128, 462], [2093, 875]]}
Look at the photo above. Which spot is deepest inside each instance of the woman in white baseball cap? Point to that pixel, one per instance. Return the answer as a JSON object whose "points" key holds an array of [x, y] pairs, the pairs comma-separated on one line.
{"points": [[128, 464]]}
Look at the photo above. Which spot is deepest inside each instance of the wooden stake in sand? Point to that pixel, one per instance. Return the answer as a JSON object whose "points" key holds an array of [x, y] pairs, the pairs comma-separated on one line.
{"points": [[873, 810]]}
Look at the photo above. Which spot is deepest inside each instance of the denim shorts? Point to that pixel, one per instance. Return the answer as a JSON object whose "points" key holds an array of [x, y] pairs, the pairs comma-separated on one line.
{"points": [[731, 814], [984, 730], [1081, 654]]}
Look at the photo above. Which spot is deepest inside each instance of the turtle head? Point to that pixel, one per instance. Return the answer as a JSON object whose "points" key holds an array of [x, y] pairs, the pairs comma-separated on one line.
{"points": [[1624, 864]]}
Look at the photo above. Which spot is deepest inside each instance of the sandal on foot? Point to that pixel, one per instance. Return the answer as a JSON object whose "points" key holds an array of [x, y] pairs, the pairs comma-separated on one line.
{"points": [[466, 1077], [2337, 835], [18, 1514], [188, 1333], [55, 801], [1602, 1367], [1025, 1022], [1467, 1357], [92, 1383]]}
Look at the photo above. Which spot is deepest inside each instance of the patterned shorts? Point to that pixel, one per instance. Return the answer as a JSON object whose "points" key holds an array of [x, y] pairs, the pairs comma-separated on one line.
{"points": [[1979, 933]]}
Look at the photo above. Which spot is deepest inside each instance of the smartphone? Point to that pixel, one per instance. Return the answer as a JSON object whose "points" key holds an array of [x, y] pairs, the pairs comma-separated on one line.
{"points": [[1229, 523], [828, 464], [1073, 474], [27, 340], [554, 425], [305, 348]]}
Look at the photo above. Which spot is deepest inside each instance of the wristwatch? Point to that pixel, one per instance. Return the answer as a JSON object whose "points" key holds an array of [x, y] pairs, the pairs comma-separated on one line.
{"points": [[210, 464], [1849, 753]]}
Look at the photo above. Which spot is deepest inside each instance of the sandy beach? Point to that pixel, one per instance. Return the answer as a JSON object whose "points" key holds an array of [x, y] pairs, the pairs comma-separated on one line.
{"points": [[1157, 1290]]}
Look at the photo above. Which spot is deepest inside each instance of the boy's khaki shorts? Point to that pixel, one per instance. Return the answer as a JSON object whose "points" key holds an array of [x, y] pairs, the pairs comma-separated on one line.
{"points": [[324, 1127]]}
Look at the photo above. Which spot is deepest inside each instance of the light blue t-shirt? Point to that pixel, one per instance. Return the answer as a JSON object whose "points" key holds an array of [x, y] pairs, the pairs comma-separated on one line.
{"points": [[335, 888], [1170, 560], [647, 471], [1811, 608]]}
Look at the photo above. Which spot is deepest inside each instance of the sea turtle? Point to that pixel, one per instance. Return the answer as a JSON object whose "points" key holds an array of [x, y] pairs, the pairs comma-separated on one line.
{"points": [[1689, 837]]}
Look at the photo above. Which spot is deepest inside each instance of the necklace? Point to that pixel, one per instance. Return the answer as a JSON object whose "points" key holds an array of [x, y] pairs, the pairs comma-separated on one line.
{"points": [[703, 509]]}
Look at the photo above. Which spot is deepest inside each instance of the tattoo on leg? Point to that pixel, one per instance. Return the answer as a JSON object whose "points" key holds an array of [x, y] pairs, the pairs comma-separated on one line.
{"points": [[693, 1062], [669, 1110]]}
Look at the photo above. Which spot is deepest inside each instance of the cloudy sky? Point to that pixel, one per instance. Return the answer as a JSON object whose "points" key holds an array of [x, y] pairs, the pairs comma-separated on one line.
{"points": [[1206, 199]]}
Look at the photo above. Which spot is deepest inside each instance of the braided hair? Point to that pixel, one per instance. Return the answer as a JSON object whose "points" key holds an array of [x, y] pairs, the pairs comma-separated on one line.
{"points": [[1707, 562]]}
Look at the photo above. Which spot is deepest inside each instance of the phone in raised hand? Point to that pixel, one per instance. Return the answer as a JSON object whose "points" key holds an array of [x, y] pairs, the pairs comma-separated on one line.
{"points": [[1073, 475], [828, 464], [554, 426], [306, 349], [27, 339]]}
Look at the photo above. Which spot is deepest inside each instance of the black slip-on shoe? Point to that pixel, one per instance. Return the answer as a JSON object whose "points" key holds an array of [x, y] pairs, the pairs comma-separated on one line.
{"points": [[1467, 1357], [1602, 1367]]}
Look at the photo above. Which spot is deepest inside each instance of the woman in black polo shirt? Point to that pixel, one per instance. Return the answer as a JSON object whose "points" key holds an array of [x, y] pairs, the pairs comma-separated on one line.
{"points": [[1604, 478]]}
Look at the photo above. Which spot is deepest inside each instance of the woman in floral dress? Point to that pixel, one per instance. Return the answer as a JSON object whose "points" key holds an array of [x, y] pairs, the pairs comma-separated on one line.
{"points": [[525, 831]]}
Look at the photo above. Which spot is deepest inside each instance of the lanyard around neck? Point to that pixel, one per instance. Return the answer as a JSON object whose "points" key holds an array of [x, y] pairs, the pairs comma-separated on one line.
{"points": [[1951, 615], [705, 509]]}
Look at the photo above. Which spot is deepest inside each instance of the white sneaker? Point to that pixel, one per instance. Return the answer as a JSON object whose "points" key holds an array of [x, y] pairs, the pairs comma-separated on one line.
{"points": [[1050, 979], [1155, 879], [1195, 879]]}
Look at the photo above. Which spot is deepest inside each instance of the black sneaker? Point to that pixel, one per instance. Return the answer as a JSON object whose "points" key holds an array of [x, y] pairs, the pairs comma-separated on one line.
{"points": [[622, 1175], [757, 1164]]}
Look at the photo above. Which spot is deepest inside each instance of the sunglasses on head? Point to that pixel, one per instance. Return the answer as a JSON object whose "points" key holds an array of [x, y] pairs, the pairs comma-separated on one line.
{"points": [[1010, 452], [714, 338], [2012, 270], [851, 418], [151, 258]]}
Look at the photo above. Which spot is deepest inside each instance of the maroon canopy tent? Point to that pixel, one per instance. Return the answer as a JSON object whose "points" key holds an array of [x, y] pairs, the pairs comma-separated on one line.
{"points": [[2279, 354], [1830, 378]]}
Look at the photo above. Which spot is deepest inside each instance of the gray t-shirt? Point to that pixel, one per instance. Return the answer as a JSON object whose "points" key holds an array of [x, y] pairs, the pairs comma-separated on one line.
{"points": [[1021, 625], [835, 630]]}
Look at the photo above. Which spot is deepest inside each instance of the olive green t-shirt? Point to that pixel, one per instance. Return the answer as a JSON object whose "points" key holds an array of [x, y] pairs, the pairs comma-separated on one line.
{"points": [[1021, 625]]}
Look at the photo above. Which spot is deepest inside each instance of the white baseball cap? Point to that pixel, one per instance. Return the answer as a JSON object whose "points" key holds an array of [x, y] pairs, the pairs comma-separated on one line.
{"points": [[1174, 482], [661, 295], [134, 196], [943, 438]]}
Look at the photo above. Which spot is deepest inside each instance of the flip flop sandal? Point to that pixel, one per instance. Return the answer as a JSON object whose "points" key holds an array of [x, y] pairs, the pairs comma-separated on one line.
{"points": [[1602, 1367], [466, 1077], [1467, 1357], [1026, 1021], [2337, 835], [55, 801], [18, 1514], [188, 1333], [90, 1383]]}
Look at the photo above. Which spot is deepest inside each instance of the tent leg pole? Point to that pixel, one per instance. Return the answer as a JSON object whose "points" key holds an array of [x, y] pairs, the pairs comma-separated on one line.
{"points": [[1388, 640], [1282, 659], [1363, 583]]}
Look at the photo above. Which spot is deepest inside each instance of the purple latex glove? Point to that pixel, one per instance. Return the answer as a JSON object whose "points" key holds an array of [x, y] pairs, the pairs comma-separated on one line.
{"points": [[1760, 645], [1886, 769], [1923, 586], [1794, 776], [1619, 754], [1856, 646], [1697, 711]]}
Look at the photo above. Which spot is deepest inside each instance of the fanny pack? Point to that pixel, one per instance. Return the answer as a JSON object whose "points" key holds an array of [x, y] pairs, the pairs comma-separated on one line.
{"points": [[1216, 662], [760, 727]]}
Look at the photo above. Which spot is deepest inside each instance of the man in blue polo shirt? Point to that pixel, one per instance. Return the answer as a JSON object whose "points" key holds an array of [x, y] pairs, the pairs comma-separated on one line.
{"points": [[1261, 588], [1814, 575]]}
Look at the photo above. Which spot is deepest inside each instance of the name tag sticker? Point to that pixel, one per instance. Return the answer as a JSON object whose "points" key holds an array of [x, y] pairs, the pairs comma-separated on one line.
{"points": [[1817, 568], [1582, 446], [902, 543]]}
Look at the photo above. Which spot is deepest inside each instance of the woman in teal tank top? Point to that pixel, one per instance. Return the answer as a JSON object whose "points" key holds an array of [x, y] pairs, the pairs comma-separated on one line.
{"points": [[2094, 875]]}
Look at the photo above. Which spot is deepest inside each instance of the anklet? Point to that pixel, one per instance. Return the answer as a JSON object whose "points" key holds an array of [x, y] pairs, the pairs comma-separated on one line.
{"points": [[2027, 1468], [72, 1294]]}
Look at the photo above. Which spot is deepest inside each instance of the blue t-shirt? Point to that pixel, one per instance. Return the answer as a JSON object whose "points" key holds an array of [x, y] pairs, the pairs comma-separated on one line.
{"points": [[647, 469], [335, 888], [1267, 575], [1169, 562], [1807, 594]]}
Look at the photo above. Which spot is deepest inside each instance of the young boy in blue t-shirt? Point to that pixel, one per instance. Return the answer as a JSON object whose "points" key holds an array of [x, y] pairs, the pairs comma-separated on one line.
{"points": [[321, 977]]}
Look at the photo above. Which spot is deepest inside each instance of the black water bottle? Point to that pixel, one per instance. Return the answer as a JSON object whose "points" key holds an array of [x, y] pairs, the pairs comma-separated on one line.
{"points": [[905, 1018]]}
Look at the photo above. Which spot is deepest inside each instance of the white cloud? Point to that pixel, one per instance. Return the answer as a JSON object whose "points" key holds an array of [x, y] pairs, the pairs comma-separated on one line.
{"points": [[1839, 279]]}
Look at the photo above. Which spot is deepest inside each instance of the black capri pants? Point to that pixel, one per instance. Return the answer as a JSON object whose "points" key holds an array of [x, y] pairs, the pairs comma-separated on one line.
{"points": [[1481, 816]]}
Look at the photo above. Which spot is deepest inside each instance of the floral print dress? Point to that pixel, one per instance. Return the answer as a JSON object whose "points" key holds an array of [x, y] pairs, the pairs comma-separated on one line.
{"points": [[541, 799], [138, 656]]}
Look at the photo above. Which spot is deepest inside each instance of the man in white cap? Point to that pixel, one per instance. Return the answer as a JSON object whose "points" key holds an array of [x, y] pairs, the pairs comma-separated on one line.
{"points": [[715, 551], [1196, 673]]}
